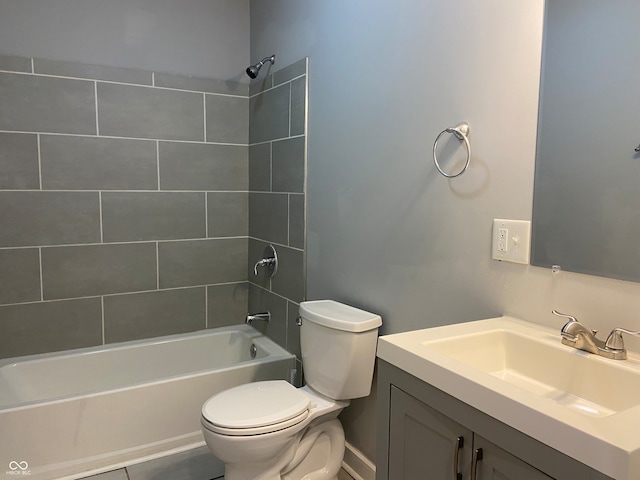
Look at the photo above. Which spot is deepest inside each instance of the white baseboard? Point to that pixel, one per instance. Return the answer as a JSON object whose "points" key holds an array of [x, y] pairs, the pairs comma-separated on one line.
{"points": [[357, 465]]}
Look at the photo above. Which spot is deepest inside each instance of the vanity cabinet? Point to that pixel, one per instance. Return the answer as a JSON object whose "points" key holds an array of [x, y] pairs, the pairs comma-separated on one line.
{"points": [[425, 434], [426, 444]]}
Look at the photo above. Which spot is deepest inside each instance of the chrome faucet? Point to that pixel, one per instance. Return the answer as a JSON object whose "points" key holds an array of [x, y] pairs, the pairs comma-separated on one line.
{"points": [[265, 316], [576, 335]]}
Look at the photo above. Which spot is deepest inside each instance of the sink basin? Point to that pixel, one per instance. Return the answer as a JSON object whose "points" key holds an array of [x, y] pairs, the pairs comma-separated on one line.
{"points": [[583, 405], [548, 370]]}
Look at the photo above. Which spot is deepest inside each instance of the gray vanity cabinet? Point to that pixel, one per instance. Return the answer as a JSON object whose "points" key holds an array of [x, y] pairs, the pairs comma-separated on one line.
{"points": [[423, 432], [498, 464], [424, 444]]}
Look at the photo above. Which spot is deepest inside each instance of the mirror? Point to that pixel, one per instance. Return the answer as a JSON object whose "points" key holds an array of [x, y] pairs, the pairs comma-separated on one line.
{"points": [[586, 207]]}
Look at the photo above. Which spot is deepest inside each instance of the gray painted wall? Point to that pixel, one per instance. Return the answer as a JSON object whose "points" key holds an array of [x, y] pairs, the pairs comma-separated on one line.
{"points": [[207, 38], [385, 231]]}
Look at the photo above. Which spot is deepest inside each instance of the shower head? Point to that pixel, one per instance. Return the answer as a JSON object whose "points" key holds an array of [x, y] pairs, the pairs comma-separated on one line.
{"points": [[253, 70]]}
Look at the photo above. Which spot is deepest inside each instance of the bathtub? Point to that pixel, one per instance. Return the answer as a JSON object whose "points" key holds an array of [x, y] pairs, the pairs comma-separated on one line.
{"points": [[80, 412]]}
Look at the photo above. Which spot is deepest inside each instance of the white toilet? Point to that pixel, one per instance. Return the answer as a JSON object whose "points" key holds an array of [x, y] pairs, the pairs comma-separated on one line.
{"points": [[274, 431]]}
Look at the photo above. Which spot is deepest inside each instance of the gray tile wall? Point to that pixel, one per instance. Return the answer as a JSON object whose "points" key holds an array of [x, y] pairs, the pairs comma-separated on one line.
{"points": [[277, 185], [124, 204]]}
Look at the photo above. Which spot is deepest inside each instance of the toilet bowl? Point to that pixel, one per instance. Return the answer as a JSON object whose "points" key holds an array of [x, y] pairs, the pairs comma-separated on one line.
{"points": [[277, 441], [274, 431]]}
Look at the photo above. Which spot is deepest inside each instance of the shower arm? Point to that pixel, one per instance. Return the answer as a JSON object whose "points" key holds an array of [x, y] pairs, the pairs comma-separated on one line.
{"points": [[271, 59]]}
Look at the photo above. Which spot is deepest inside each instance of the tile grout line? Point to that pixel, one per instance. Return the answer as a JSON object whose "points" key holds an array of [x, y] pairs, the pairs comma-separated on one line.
{"points": [[119, 294], [157, 265], [204, 109], [39, 161], [206, 306], [148, 139], [95, 93], [158, 162], [206, 214], [102, 312], [288, 219], [100, 216], [290, 96], [120, 190], [127, 242], [128, 84], [41, 279]]}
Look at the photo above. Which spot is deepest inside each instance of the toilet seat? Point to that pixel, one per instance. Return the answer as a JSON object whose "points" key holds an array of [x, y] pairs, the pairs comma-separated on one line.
{"points": [[255, 408]]}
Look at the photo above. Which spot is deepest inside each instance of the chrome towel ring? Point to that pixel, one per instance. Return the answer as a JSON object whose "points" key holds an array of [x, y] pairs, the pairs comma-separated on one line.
{"points": [[461, 132]]}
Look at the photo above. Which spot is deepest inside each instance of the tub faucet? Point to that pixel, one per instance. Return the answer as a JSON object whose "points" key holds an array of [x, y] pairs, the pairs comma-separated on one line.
{"points": [[576, 335], [266, 316]]}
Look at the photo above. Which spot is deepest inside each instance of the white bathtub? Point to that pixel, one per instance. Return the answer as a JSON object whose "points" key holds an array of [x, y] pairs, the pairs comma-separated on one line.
{"points": [[75, 413]]}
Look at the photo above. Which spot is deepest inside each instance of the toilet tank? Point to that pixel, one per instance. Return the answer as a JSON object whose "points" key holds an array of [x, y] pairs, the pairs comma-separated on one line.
{"points": [[338, 344]]}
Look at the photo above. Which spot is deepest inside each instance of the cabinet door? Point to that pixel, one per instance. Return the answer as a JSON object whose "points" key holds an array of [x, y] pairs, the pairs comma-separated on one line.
{"points": [[497, 464], [423, 444]]}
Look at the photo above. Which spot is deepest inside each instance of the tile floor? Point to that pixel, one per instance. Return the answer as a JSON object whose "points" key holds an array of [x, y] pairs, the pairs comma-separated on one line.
{"points": [[194, 464]]}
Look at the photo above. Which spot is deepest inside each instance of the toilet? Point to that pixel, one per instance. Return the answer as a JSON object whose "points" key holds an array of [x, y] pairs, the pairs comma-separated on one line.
{"points": [[274, 431]]}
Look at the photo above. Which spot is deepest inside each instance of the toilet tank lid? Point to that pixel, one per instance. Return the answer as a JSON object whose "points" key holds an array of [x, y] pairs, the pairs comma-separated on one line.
{"points": [[339, 316]]}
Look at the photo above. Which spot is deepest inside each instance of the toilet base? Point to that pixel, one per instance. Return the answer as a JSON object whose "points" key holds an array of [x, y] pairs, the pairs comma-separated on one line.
{"points": [[319, 454], [316, 454]]}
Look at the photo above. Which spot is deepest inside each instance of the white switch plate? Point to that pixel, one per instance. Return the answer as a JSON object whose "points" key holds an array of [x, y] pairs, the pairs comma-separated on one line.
{"points": [[511, 240]]}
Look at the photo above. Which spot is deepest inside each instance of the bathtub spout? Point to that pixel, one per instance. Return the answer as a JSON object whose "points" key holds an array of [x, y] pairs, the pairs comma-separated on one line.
{"points": [[266, 316]]}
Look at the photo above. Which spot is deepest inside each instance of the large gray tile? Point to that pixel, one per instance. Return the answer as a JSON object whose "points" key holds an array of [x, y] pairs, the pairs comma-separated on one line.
{"points": [[196, 166], [199, 84], [290, 72], [269, 115], [261, 300], [49, 218], [143, 112], [227, 304], [153, 314], [228, 214], [260, 167], [93, 72], [19, 161], [296, 221], [202, 262], [262, 83], [93, 163], [19, 275], [134, 216], [120, 474], [227, 119], [49, 326], [289, 281], [196, 464], [287, 165], [268, 217], [32, 103], [12, 63], [82, 271], [298, 106]]}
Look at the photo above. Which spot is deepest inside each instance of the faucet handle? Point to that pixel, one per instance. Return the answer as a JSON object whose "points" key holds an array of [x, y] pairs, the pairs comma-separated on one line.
{"points": [[615, 340], [564, 315]]}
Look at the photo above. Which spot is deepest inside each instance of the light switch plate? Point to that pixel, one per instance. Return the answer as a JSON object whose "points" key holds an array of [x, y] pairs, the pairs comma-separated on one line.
{"points": [[511, 240]]}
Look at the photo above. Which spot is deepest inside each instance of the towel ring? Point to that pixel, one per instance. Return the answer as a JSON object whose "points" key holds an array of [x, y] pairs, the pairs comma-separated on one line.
{"points": [[461, 131]]}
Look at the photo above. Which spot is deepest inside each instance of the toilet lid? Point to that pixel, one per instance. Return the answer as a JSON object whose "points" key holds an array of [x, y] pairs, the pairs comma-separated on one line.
{"points": [[256, 404]]}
